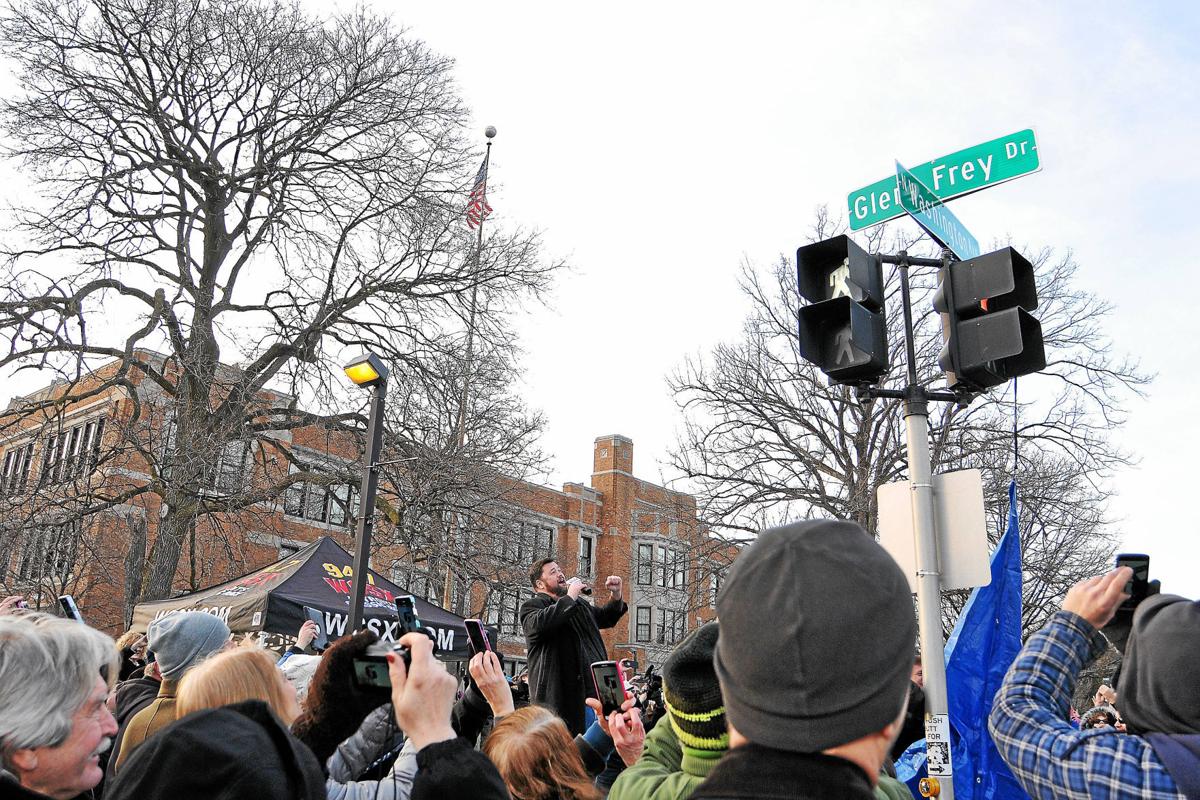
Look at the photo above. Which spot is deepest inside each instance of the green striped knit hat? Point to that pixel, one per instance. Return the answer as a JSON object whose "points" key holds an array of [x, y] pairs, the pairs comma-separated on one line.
{"points": [[693, 695]]}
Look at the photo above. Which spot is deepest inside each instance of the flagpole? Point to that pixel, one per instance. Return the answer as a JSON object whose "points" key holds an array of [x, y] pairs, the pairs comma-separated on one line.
{"points": [[461, 433]]}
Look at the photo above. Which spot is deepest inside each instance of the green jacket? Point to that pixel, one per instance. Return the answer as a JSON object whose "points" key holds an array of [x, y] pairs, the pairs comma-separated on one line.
{"points": [[665, 773], [891, 789]]}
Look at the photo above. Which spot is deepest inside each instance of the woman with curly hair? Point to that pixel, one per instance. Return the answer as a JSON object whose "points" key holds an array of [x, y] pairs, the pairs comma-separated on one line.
{"points": [[537, 757]]}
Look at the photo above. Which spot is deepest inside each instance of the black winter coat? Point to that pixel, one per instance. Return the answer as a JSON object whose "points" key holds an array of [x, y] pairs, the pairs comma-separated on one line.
{"points": [[564, 639], [754, 772], [229, 753], [914, 722]]}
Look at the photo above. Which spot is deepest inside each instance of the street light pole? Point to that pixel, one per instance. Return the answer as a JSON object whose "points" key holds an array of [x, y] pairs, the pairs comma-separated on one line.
{"points": [[367, 371]]}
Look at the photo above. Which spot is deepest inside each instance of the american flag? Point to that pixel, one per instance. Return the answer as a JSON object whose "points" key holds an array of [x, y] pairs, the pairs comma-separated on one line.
{"points": [[477, 205]]}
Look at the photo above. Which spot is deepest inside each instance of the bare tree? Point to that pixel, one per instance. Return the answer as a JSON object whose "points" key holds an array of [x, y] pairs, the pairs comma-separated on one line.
{"points": [[235, 182], [765, 438]]}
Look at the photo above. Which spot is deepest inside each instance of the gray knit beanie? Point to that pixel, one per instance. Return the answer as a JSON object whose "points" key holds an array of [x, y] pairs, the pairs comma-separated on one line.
{"points": [[1157, 690], [180, 641], [817, 637]]}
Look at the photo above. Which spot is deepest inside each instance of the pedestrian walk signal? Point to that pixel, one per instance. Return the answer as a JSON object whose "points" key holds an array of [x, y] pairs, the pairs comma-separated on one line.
{"points": [[842, 330], [990, 336]]}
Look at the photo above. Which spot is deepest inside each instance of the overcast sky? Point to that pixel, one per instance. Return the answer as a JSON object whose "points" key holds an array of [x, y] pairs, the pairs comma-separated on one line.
{"points": [[658, 145]]}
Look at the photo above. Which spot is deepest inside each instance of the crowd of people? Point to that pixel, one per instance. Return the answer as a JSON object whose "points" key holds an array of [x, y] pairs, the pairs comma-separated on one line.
{"points": [[803, 689]]}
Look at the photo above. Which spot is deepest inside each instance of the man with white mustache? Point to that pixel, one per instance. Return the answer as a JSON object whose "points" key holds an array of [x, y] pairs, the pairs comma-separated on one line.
{"points": [[55, 675]]}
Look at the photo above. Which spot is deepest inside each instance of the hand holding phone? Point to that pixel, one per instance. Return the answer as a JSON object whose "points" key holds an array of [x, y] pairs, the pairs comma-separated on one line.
{"points": [[321, 641], [371, 668], [422, 694], [477, 636], [610, 685], [1138, 586]]}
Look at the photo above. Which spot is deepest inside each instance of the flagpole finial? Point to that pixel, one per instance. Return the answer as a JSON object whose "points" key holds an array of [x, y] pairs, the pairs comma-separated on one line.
{"points": [[490, 131]]}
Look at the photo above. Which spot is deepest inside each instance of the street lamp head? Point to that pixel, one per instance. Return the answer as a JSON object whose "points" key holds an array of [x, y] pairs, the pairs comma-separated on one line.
{"points": [[366, 370], [490, 132]]}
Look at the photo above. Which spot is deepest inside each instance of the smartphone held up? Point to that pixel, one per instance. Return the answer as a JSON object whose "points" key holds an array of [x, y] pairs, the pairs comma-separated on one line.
{"points": [[477, 636], [1139, 585], [70, 608], [371, 668], [610, 685]]}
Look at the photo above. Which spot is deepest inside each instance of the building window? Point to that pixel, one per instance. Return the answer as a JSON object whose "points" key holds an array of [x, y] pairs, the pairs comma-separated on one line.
{"points": [[312, 501], [716, 584], [73, 452], [229, 474], [504, 609], [14, 473], [340, 512], [491, 611], [672, 626], [417, 582], [525, 543], [660, 565], [643, 618], [670, 572], [49, 551], [645, 564], [587, 562], [460, 594]]}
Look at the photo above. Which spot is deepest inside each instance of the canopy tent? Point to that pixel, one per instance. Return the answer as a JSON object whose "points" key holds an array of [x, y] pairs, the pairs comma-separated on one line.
{"points": [[272, 599]]}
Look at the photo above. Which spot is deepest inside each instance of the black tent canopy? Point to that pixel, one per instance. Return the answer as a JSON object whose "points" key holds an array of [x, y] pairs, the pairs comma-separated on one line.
{"points": [[272, 600]]}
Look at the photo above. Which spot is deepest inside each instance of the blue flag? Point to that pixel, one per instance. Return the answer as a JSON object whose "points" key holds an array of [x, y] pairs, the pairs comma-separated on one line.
{"points": [[984, 644]]}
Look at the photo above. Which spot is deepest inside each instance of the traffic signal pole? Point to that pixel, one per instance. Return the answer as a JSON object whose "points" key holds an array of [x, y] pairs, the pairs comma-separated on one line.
{"points": [[920, 480], [990, 337]]}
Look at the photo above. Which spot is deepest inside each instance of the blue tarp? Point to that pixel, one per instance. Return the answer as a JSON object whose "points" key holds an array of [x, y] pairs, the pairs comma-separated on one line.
{"points": [[984, 643]]}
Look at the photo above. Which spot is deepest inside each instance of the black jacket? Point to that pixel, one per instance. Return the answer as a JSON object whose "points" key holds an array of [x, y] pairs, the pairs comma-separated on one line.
{"points": [[11, 790], [132, 696], [452, 769], [564, 639], [754, 771], [236, 752], [914, 722]]}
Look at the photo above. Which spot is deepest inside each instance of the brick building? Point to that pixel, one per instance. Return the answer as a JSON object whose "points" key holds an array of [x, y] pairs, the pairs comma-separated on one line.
{"points": [[58, 460]]}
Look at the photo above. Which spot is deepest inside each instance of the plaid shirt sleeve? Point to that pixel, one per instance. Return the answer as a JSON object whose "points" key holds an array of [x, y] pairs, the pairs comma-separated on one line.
{"points": [[1049, 758]]}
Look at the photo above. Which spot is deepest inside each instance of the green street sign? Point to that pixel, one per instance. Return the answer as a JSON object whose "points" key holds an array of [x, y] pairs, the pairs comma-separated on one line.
{"points": [[950, 176], [932, 214]]}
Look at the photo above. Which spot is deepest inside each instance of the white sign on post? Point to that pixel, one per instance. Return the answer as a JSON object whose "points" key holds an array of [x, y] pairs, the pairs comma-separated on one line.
{"points": [[958, 520], [939, 763]]}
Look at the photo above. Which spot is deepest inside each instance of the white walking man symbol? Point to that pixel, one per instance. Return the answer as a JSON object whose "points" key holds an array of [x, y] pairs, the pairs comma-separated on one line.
{"points": [[839, 281], [843, 350]]}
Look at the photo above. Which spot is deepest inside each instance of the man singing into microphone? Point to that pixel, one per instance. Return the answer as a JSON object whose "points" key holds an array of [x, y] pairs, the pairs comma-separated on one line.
{"points": [[562, 632]]}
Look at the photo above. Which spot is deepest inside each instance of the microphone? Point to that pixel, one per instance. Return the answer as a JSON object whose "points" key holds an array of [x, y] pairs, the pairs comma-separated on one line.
{"points": [[586, 589]]}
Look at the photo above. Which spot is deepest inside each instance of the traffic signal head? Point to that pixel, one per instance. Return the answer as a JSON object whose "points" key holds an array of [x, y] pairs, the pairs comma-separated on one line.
{"points": [[845, 339], [843, 329], [838, 267], [990, 283], [990, 336]]}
